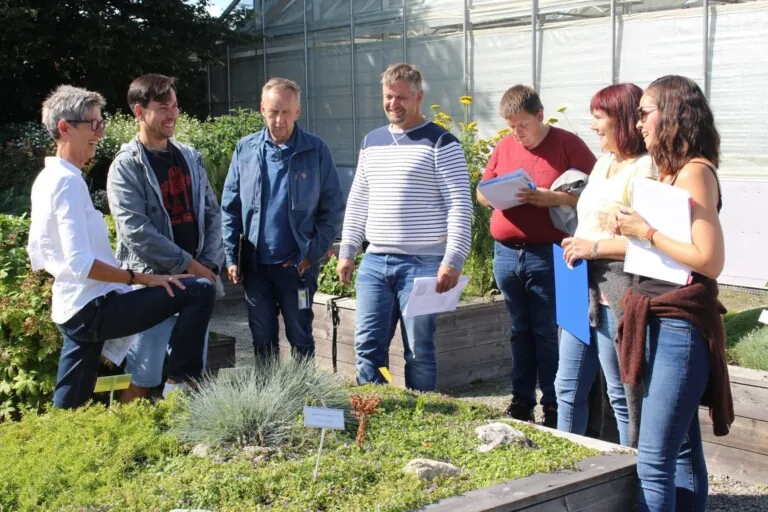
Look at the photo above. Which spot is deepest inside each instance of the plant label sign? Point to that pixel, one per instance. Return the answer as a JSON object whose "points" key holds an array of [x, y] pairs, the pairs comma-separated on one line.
{"points": [[321, 417], [763, 317]]}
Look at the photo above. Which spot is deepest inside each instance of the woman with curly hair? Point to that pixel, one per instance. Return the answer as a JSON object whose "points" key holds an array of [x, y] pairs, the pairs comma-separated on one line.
{"points": [[671, 339]]}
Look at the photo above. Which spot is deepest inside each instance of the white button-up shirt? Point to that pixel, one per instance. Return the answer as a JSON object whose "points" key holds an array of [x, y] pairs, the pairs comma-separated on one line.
{"points": [[66, 235]]}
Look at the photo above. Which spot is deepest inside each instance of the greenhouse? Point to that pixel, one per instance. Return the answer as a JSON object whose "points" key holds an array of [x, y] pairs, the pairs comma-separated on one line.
{"points": [[336, 50]]}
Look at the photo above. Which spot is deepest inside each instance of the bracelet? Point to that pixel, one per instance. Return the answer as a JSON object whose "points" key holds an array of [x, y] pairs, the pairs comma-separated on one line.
{"points": [[594, 249], [132, 275]]}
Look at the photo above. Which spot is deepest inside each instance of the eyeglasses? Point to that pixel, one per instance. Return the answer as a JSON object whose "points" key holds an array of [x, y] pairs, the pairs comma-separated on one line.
{"points": [[96, 124], [644, 112]]}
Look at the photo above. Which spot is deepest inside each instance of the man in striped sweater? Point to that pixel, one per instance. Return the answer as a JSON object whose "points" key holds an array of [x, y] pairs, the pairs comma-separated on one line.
{"points": [[410, 199]]}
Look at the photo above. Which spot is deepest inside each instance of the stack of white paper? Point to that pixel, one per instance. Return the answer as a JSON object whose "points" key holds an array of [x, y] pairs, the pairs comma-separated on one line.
{"points": [[668, 209], [425, 300], [502, 192]]}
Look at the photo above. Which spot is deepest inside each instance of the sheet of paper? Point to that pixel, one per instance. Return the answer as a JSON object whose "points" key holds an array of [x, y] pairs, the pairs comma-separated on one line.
{"points": [[116, 349], [502, 192], [668, 209], [571, 296], [763, 317], [424, 300]]}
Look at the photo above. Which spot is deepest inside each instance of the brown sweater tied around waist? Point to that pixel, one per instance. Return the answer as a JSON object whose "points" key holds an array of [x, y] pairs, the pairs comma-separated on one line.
{"points": [[698, 304]]}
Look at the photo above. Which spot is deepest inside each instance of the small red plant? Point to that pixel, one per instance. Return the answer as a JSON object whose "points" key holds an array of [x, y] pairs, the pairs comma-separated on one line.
{"points": [[363, 407]]}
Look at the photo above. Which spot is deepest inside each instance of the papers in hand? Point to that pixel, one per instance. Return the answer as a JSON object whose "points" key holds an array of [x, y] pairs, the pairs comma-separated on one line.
{"points": [[116, 349], [502, 192], [668, 209], [425, 300]]}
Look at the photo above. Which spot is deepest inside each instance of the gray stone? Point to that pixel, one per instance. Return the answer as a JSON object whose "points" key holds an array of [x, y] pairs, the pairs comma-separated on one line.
{"points": [[498, 434], [200, 450], [427, 469]]}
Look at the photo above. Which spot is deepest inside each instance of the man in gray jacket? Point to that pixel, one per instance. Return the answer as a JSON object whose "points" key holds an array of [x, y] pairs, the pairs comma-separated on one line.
{"points": [[168, 220]]}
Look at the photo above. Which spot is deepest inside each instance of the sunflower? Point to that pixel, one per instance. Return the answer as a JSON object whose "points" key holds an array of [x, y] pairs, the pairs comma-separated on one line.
{"points": [[562, 108], [465, 100], [435, 107]]}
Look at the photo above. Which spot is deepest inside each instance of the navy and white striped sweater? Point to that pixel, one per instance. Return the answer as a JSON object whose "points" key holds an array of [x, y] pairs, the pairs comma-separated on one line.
{"points": [[410, 196]]}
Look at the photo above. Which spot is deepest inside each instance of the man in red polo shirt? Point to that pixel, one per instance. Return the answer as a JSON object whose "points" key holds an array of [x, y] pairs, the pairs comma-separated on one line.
{"points": [[522, 263]]}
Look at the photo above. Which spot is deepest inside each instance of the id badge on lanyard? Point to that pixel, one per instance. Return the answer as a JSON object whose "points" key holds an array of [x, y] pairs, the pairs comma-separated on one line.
{"points": [[303, 291]]}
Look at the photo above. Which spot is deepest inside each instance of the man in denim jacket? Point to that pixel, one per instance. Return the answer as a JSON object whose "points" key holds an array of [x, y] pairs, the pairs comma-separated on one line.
{"points": [[282, 196], [168, 220]]}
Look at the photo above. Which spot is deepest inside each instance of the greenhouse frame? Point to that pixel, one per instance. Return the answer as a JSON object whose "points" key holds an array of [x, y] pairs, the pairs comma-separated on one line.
{"points": [[568, 50]]}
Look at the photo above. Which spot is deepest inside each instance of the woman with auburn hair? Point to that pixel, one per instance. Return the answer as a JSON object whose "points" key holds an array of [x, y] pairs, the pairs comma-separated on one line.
{"points": [[614, 113], [671, 339]]}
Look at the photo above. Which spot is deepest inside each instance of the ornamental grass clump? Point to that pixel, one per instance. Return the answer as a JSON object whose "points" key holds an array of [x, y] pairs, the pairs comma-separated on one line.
{"points": [[257, 406]]}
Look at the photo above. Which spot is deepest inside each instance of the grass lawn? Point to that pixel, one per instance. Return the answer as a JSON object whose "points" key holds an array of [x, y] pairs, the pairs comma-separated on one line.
{"points": [[126, 459]]}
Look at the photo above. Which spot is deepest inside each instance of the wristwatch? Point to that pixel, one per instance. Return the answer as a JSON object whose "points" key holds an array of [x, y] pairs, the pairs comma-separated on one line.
{"points": [[647, 240]]}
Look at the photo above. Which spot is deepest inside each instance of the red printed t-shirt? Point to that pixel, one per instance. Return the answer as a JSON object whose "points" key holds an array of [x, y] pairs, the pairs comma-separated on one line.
{"points": [[559, 151]]}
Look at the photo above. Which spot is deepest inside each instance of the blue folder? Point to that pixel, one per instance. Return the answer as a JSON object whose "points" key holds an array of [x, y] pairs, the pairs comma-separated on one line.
{"points": [[571, 296]]}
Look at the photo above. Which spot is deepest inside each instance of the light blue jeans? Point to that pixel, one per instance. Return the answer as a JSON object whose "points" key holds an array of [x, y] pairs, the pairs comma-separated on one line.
{"points": [[670, 458], [383, 286], [579, 364], [145, 359]]}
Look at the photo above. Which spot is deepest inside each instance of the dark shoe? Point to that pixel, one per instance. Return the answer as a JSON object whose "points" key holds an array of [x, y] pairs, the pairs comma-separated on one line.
{"points": [[550, 416], [520, 411]]}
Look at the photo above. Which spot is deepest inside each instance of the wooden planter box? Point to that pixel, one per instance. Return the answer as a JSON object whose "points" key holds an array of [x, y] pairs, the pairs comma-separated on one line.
{"points": [[221, 352], [604, 483], [472, 343], [743, 453]]}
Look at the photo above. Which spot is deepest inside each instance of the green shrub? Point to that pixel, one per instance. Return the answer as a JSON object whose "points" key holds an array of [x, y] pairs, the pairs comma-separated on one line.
{"points": [[67, 457], [217, 138], [328, 281], [257, 406], [23, 148], [125, 459], [751, 350], [29, 341]]}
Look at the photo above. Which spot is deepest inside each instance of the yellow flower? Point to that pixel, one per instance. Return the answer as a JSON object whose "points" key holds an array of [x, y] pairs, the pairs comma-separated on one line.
{"points": [[444, 116], [503, 132], [551, 120], [465, 100], [472, 125], [562, 108], [435, 107], [441, 124]]}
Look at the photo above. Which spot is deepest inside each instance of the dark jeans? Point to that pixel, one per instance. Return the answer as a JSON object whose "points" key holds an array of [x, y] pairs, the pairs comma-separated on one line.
{"points": [[117, 315], [274, 289], [526, 278]]}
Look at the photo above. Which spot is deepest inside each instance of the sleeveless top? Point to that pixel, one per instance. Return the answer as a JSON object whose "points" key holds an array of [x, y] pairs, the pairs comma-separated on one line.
{"points": [[654, 287]]}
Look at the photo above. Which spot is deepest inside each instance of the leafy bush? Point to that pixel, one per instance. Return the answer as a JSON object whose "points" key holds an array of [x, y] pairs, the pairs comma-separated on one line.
{"points": [[23, 147], [328, 281], [257, 406], [217, 138], [29, 342], [124, 459]]}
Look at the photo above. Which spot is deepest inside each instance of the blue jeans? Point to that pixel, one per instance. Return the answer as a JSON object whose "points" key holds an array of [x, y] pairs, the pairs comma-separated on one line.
{"points": [[670, 459], [117, 315], [274, 289], [144, 361], [383, 286], [526, 278], [579, 365]]}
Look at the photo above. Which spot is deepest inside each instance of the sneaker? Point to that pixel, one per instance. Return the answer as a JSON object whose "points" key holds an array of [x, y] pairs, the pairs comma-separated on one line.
{"points": [[520, 411], [550, 416]]}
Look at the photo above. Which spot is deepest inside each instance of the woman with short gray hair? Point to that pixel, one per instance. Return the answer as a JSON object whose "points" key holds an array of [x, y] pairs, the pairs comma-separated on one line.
{"points": [[92, 297]]}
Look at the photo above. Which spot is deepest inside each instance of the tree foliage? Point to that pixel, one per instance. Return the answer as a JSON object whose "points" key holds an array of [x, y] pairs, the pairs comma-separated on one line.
{"points": [[103, 45]]}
